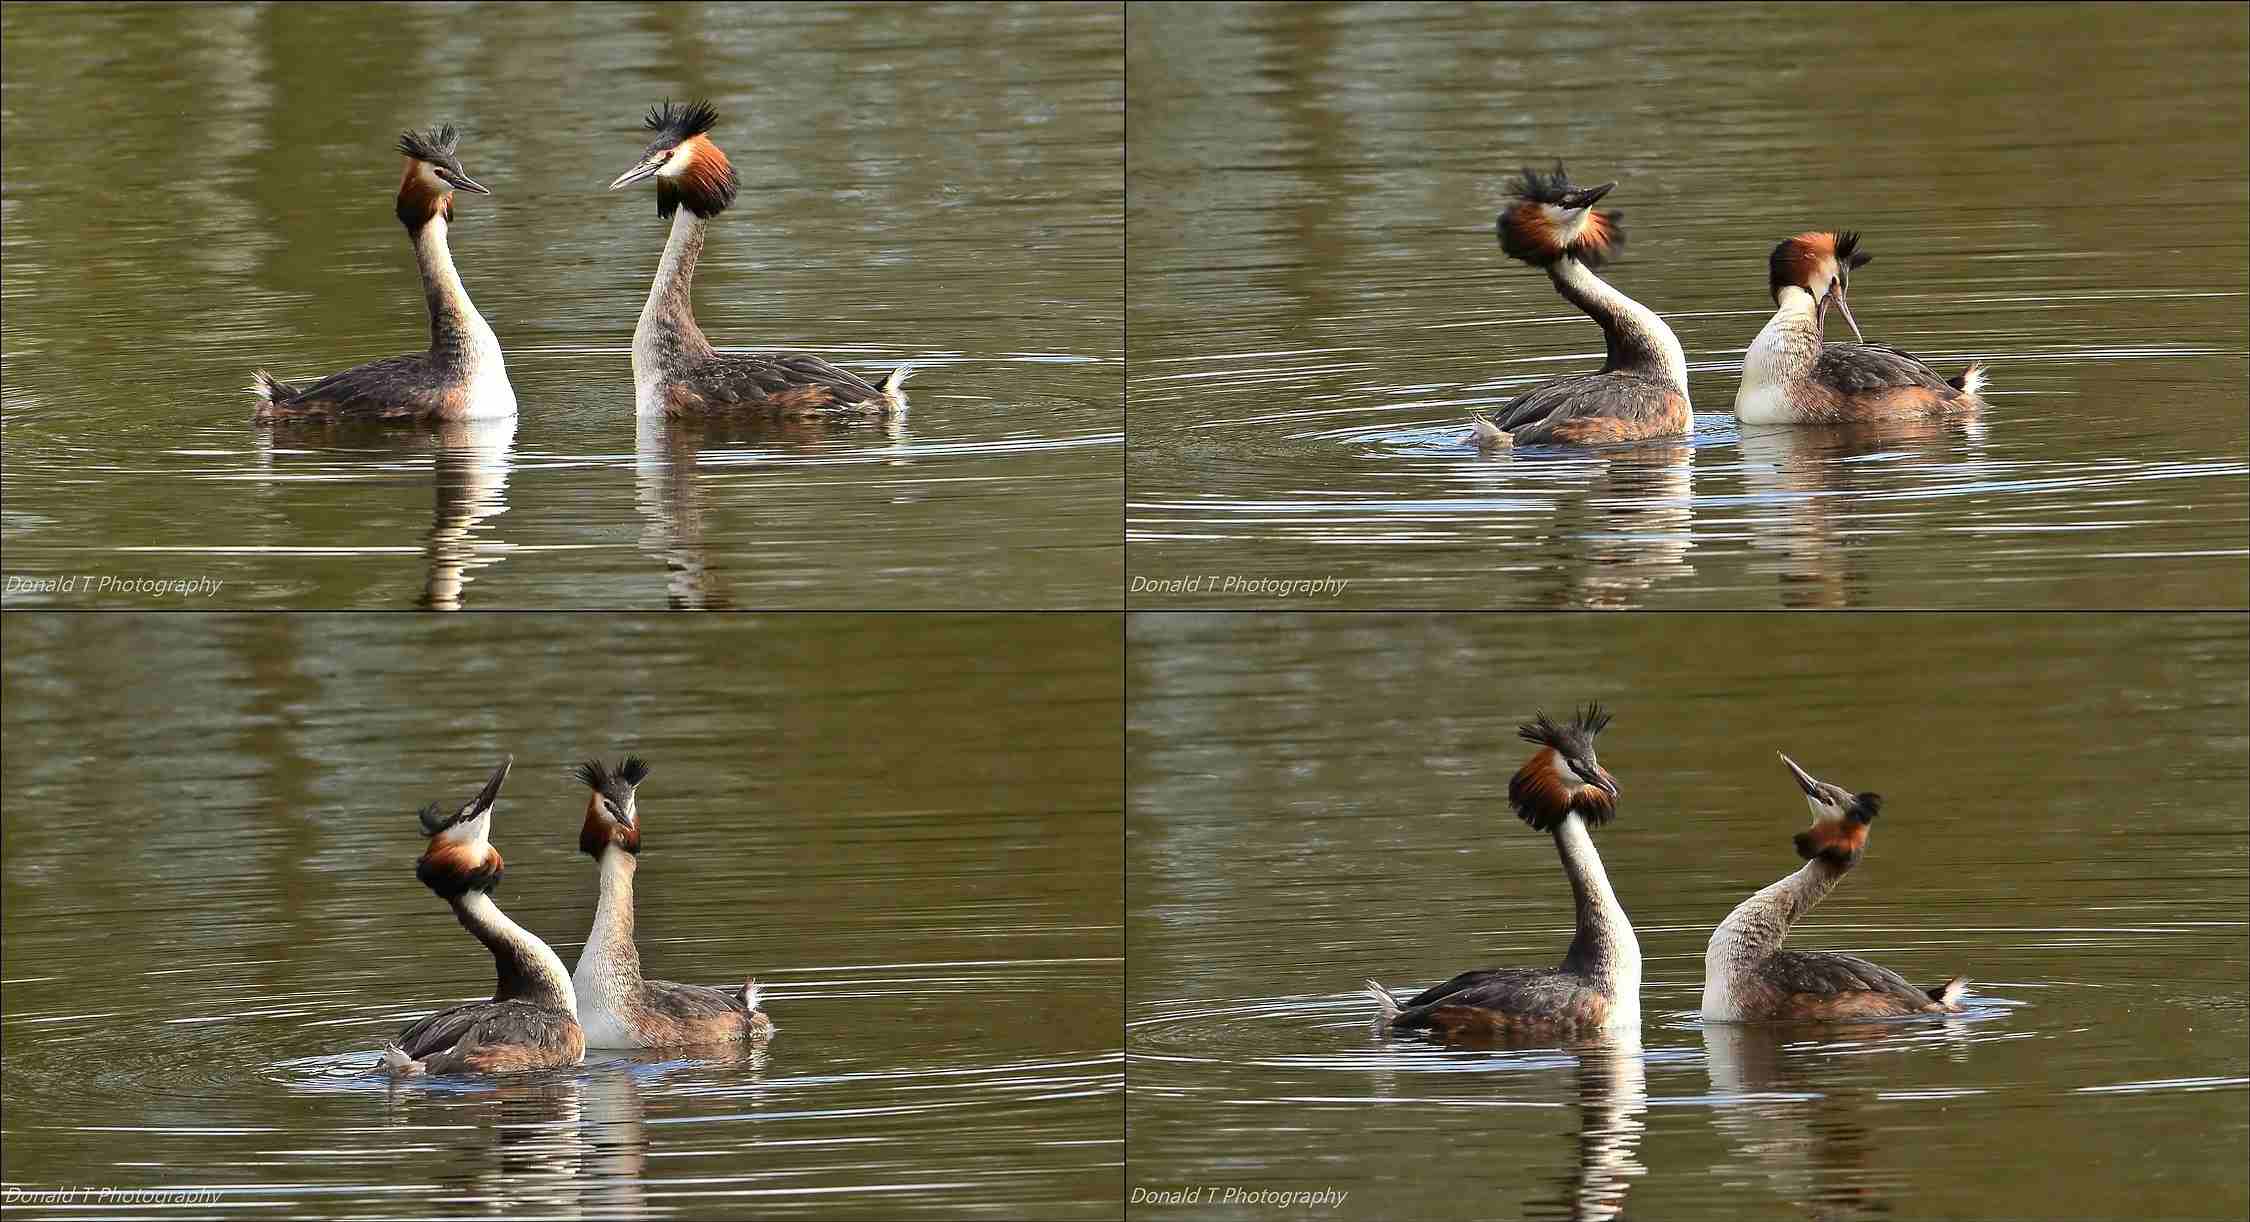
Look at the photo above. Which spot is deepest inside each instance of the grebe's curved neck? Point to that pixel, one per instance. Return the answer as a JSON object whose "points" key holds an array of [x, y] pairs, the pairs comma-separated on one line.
{"points": [[1637, 340], [459, 336], [1781, 357], [667, 330], [529, 970], [610, 967], [1758, 925], [1604, 947]]}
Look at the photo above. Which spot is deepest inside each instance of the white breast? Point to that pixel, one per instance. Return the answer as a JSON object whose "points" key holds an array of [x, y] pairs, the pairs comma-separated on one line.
{"points": [[1720, 959], [490, 394]]}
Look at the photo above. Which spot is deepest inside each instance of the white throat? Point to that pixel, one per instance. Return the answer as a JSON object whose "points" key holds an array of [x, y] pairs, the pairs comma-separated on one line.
{"points": [[1781, 356], [608, 977], [1605, 917], [489, 392], [1753, 932], [670, 301]]}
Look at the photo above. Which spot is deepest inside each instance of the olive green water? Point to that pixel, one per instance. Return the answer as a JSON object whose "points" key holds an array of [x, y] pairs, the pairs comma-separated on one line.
{"points": [[906, 827], [189, 193], [1316, 799], [1317, 301]]}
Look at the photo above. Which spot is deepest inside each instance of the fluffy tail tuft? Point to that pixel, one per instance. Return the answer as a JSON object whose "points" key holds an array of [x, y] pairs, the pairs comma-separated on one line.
{"points": [[1384, 1001], [897, 379], [761, 1024], [396, 1061], [1949, 993], [270, 389], [1970, 380], [1484, 434]]}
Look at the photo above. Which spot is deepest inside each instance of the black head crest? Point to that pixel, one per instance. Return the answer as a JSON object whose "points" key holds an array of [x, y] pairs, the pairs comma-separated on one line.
{"points": [[438, 145], [433, 821], [1573, 737], [1543, 188], [615, 784], [674, 123], [1848, 252], [1864, 807]]}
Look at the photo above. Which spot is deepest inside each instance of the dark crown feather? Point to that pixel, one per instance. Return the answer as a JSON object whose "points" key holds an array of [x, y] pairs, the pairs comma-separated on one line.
{"points": [[437, 144], [677, 123], [1578, 734], [601, 778], [432, 821], [1543, 188]]}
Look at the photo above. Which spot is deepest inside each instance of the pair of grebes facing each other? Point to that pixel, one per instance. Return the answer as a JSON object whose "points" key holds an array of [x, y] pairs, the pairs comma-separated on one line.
{"points": [[541, 1016], [676, 372], [1747, 977], [1790, 374]]}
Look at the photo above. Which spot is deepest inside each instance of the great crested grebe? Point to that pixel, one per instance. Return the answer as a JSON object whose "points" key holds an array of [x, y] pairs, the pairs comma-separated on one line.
{"points": [[1641, 389], [462, 376], [620, 1008], [1561, 789], [676, 372], [1791, 376], [1747, 977], [532, 1020]]}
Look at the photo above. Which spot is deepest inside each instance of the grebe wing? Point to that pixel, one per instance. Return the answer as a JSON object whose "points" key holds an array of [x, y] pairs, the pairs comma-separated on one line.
{"points": [[692, 1001], [1607, 407], [1509, 989], [441, 1030], [1536, 404], [495, 1023], [1824, 974], [795, 382], [394, 386], [1865, 367]]}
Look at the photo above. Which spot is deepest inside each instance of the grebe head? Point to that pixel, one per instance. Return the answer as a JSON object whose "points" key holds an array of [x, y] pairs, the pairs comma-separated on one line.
{"points": [[1552, 219], [461, 858], [1563, 777], [433, 171], [1840, 818], [687, 167], [610, 817], [1819, 263]]}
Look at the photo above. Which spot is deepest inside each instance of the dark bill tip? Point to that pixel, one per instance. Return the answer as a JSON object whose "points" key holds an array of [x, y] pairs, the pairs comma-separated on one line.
{"points": [[1587, 197], [491, 791], [1804, 778]]}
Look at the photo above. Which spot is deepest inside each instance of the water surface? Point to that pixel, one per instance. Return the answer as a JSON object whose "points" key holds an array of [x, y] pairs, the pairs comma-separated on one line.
{"points": [[1323, 798], [1318, 301], [905, 827], [935, 185]]}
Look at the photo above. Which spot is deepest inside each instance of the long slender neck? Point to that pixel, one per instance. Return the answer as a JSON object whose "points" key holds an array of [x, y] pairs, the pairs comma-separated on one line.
{"points": [[610, 952], [1788, 345], [458, 334], [1604, 947], [1758, 925], [668, 320], [529, 970], [1636, 339]]}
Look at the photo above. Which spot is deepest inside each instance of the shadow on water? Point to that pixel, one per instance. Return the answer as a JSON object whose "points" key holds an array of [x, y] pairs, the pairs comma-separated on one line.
{"points": [[678, 458], [468, 464]]}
